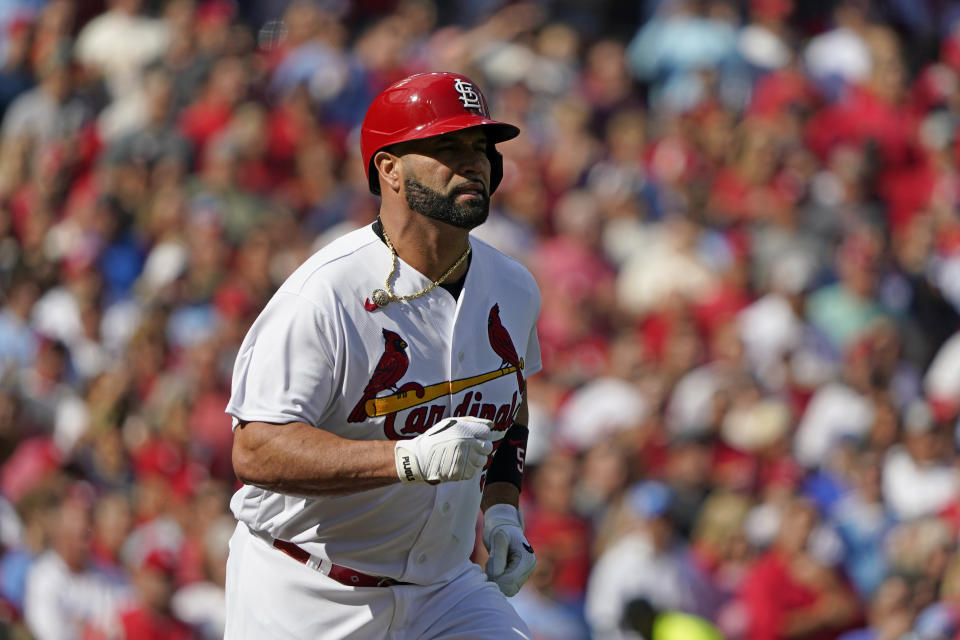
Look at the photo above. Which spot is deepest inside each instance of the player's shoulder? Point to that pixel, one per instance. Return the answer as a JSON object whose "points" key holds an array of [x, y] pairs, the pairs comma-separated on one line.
{"points": [[507, 270], [322, 270]]}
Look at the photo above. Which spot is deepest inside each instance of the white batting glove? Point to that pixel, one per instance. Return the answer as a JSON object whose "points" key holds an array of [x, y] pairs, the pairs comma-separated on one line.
{"points": [[452, 449], [511, 556]]}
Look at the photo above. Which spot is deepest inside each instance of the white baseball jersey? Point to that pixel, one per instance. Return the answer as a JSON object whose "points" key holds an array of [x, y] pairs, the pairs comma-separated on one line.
{"points": [[318, 355]]}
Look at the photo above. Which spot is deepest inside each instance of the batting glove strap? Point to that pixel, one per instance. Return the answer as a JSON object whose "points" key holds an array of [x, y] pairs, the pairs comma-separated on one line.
{"points": [[512, 559], [453, 449], [408, 467]]}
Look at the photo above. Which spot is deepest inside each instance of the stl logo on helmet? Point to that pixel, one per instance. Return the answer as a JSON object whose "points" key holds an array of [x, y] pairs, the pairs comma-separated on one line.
{"points": [[471, 99]]}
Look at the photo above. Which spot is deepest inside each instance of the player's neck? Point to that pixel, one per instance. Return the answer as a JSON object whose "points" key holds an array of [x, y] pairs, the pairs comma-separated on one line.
{"points": [[427, 245]]}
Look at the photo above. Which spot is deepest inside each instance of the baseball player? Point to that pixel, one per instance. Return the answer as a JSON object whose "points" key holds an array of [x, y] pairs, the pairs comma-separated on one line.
{"points": [[379, 406]]}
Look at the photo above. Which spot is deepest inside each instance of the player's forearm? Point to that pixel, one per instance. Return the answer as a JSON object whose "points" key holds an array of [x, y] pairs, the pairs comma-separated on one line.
{"points": [[299, 459]]}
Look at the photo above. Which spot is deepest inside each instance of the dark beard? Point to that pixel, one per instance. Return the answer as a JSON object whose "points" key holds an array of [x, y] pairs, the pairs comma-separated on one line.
{"points": [[445, 208]]}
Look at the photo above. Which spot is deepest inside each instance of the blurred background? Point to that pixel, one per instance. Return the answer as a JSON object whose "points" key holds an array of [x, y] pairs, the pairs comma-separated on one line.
{"points": [[742, 215]]}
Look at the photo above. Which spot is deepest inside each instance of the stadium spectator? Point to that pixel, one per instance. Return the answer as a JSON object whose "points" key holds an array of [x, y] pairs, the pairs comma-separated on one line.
{"points": [[788, 591], [149, 616], [66, 596], [647, 561]]}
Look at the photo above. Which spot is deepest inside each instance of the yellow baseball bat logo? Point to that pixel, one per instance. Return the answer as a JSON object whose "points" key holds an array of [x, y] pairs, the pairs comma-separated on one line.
{"points": [[406, 399]]}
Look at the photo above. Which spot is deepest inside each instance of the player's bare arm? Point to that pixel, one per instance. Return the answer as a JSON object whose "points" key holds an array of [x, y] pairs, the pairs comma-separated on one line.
{"points": [[299, 459], [296, 458]]}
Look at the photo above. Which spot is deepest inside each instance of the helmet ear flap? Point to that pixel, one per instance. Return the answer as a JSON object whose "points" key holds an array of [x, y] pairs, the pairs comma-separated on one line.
{"points": [[496, 166], [373, 179]]}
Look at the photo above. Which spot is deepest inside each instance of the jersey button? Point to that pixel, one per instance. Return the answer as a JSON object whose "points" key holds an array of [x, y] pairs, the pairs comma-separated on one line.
{"points": [[460, 356], [421, 558], [446, 507]]}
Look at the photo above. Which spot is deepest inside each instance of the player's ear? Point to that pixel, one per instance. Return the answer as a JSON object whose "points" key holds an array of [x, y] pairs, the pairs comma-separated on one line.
{"points": [[388, 166]]}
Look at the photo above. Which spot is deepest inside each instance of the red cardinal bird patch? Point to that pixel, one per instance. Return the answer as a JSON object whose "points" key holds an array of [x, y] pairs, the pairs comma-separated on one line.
{"points": [[502, 344], [391, 367]]}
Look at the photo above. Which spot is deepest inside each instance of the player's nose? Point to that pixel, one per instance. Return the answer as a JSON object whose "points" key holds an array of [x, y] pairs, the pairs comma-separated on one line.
{"points": [[475, 166]]}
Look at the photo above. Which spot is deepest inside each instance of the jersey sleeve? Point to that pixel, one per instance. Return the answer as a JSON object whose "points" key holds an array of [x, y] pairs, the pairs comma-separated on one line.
{"points": [[285, 369], [531, 361]]}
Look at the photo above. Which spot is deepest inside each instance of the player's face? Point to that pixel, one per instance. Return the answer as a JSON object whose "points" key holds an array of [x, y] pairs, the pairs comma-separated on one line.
{"points": [[448, 178]]}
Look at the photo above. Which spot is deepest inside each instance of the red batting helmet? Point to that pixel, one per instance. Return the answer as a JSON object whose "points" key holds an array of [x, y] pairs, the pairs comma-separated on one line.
{"points": [[426, 105]]}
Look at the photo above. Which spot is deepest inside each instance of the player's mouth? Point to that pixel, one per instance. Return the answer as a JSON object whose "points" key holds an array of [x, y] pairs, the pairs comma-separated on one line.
{"points": [[471, 189]]}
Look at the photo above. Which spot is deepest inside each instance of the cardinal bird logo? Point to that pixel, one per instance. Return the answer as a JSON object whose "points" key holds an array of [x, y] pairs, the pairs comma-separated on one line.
{"points": [[502, 344], [391, 367]]}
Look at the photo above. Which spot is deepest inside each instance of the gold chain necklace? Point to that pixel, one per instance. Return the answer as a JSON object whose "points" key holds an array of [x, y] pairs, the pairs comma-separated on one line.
{"points": [[383, 297]]}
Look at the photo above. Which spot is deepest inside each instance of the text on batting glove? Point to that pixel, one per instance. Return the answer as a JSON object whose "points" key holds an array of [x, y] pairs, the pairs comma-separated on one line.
{"points": [[453, 449], [511, 557]]}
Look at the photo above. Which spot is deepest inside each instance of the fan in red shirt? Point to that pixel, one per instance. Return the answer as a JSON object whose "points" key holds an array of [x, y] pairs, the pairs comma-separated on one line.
{"points": [[788, 593], [149, 617]]}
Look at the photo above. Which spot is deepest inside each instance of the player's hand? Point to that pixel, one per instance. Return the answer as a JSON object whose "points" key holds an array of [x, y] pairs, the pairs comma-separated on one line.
{"points": [[452, 449], [511, 557]]}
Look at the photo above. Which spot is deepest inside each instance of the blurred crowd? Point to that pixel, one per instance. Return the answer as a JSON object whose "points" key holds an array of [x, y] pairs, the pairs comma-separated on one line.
{"points": [[742, 216]]}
